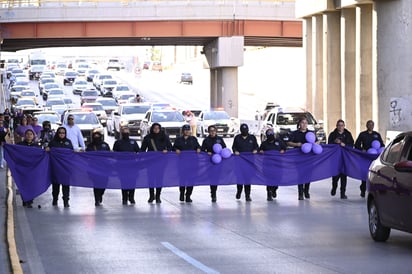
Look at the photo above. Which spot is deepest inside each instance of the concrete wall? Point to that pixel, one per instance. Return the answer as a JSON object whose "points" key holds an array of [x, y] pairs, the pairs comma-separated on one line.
{"points": [[394, 63]]}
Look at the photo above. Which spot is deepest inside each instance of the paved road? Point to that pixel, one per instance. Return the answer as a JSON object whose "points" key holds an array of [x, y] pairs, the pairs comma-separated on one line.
{"points": [[322, 235]]}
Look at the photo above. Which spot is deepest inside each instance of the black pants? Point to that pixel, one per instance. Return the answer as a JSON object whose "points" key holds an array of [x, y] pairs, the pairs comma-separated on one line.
{"points": [[152, 192], [343, 180], [247, 189], [271, 188], [363, 187], [128, 194], [303, 188], [56, 191], [189, 190], [98, 194], [213, 190]]}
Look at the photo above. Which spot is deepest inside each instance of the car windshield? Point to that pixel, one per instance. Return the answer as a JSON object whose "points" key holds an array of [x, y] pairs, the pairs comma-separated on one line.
{"points": [[135, 109], [56, 92], [50, 103], [90, 93], [125, 96], [51, 85], [216, 115], [108, 103], [85, 118], [110, 82], [81, 82], [122, 88], [52, 118], [47, 80], [27, 94], [71, 73], [169, 116], [288, 119], [22, 102], [94, 107], [68, 100]]}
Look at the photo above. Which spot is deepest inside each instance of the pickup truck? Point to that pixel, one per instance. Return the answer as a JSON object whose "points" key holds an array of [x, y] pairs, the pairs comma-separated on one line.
{"points": [[129, 114]]}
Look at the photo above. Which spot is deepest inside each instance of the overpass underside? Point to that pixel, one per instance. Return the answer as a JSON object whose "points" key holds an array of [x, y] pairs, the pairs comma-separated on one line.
{"points": [[18, 36]]}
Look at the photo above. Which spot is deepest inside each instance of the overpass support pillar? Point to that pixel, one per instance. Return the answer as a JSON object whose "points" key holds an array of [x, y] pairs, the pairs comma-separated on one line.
{"points": [[224, 56]]}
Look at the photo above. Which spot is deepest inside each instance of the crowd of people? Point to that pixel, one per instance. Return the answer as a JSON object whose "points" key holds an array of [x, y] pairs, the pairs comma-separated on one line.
{"points": [[27, 132]]}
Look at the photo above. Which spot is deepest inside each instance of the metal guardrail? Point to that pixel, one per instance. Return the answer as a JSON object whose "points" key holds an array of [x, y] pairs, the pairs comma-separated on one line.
{"points": [[62, 3]]}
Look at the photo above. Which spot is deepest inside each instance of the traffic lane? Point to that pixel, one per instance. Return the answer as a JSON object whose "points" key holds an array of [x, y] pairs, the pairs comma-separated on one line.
{"points": [[321, 235]]}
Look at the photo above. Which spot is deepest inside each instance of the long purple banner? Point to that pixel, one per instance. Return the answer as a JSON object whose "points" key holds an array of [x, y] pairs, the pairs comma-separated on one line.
{"points": [[34, 170]]}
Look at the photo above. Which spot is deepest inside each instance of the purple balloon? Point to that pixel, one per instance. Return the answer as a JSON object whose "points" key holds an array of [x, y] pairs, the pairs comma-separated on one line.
{"points": [[216, 159], [376, 144], [310, 137], [381, 149], [226, 153], [317, 149], [217, 148], [373, 151], [306, 147]]}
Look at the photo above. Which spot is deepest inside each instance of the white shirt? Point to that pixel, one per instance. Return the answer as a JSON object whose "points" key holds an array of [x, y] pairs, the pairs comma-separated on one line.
{"points": [[75, 135]]}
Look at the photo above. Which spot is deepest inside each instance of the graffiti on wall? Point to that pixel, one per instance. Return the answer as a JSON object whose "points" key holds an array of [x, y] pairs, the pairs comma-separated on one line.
{"points": [[400, 113]]}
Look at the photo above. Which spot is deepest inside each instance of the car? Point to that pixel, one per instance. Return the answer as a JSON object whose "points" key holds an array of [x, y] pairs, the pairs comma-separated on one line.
{"points": [[60, 68], [119, 89], [186, 77], [53, 102], [146, 65], [53, 92], [284, 120], [47, 87], [81, 68], [79, 85], [29, 94], [98, 78], [16, 90], [114, 64], [89, 96], [389, 185], [107, 86], [90, 74], [124, 98], [128, 114], [43, 81], [49, 74], [109, 104], [52, 116], [69, 102], [69, 77], [225, 125], [97, 109], [170, 119], [157, 66], [86, 120]]}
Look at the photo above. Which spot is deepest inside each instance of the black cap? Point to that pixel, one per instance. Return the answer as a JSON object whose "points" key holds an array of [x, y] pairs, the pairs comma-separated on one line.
{"points": [[186, 127], [244, 127]]}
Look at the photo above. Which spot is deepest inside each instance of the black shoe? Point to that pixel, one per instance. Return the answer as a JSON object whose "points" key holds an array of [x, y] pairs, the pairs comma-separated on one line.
{"points": [[132, 201], [362, 194], [97, 203], [188, 200], [101, 199], [66, 204], [182, 196], [151, 199], [274, 194], [124, 202], [54, 202], [214, 199], [248, 199], [307, 195], [343, 196], [333, 192], [269, 197], [158, 201], [300, 197], [238, 195]]}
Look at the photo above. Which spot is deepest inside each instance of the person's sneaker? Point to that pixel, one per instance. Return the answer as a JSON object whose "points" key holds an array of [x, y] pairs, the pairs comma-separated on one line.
{"points": [[248, 199], [124, 202], [158, 201], [307, 195], [333, 192], [269, 197], [66, 204], [300, 197], [132, 201], [238, 195], [274, 194], [54, 202], [182, 196], [96, 203], [188, 200], [343, 196]]}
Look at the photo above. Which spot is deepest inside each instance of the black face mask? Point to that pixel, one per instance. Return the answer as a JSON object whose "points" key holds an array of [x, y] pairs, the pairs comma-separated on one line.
{"points": [[270, 138], [244, 132], [97, 140], [125, 136]]}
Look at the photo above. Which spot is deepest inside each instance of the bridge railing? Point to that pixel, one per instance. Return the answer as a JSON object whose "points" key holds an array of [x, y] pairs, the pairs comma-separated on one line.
{"points": [[9, 4]]}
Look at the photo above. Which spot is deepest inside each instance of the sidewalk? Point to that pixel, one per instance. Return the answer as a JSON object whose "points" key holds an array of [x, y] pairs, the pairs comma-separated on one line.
{"points": [[4, 254]]}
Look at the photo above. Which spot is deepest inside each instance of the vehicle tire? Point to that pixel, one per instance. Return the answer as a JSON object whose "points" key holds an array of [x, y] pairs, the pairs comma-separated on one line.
{"points": [[379, 232]]}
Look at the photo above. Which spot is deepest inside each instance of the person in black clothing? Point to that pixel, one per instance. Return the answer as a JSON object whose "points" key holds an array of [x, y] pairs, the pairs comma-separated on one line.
{"points": [[46, 134], [207, 146], [98, 144], [3, 134], [364, 142], [122, 145], [297, 139], [29, 141], [272, 143], [342, 137], [156, 140], [186, 142], [60, 140], [244, 142]]}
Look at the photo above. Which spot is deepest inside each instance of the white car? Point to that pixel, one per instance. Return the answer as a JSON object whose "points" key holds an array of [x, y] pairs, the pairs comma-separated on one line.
{"points": [[124, 98], [79, 85], [97, 109], [107, 86], [119, 89]]}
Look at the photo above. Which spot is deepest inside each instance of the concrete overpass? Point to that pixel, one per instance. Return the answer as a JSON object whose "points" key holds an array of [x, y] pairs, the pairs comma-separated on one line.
{"points": [[222, 27]]}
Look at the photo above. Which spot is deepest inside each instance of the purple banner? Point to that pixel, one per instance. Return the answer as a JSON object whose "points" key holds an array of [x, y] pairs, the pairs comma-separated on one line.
{"points": [[34, 169]]}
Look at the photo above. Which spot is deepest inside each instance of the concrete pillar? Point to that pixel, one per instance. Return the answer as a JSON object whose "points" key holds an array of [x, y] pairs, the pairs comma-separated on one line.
{"points": [[307, 45], [348, 67], [364, 95], [317, 67], [224, 90], [331, 70]]}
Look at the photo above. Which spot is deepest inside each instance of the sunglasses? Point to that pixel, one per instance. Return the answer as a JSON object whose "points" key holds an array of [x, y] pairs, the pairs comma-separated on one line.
{"points": [[70, 118]]}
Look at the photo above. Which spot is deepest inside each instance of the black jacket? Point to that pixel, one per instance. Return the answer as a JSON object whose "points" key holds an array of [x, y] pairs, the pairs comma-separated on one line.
{"points": [[208, 142], [189, 143], [345, 137], [126, 145]]}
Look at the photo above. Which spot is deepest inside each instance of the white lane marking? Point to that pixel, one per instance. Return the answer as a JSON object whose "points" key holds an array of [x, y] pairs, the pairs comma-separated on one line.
{"points": [[189, 259]]}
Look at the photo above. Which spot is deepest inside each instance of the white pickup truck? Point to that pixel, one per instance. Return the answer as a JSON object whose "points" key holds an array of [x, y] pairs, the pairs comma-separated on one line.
{"points": [[131, 115]]}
